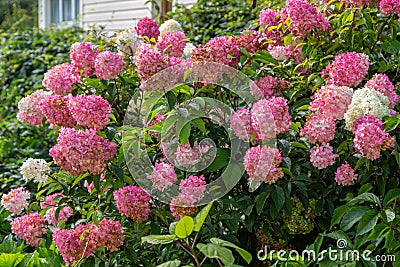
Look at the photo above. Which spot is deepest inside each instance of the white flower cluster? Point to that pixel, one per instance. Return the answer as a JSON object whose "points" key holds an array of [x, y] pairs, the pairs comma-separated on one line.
{"points": [[169, 26], [28, 104], [187, 51], [127, 42], [278, 52], [35, 169], [366, 101]]}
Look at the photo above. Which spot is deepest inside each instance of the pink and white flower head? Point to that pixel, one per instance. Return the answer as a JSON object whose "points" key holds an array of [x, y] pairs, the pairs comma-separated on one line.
{"points": [[30, 228], [263, 121], [182, 205], [56, 111], [29, 108], [370, 138], [163, 176], [186, 156], [262, 164], [172, 44], [193, 186], [60, 79], [35, 169], [268, 87], [304, 17], [147, 27], [332, 100], [83, 55], [90, 111], [322, 156], [280, 111], [381, 83], [348, 69], [127, 42], [52, 202], [16, 200], [108, 65], [345, 175], [78, 151], [319, 128], [241, 124], [133, 202]]}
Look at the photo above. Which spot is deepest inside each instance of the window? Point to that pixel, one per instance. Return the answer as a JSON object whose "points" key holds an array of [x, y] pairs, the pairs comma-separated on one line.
{"points": [[63, 10]]}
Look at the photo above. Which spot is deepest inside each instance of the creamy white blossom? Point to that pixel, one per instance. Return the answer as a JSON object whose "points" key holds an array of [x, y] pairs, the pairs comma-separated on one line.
{"points": [[187, 51], [278, 52], [35, 169], [127, 42], [366, 101], [169, 26]]}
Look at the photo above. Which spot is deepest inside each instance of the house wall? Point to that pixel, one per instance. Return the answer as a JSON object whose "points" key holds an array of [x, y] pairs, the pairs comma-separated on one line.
{"points": [[114, 14]]}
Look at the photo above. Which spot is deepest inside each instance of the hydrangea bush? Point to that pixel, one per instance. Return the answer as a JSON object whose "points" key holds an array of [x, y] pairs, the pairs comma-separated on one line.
{"points": [[321, 163]]}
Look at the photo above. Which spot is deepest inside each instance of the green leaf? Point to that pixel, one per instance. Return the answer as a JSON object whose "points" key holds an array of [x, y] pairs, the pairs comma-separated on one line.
{"points": [[11, 260], [365, 197], [389, 239], [278, 196], [392, 123], [158, 239], [352, 216], [185, 133], [367, 222], [378, 231], [184, 227], [260, 201], [174, 263], [245, 255], [200, 124], [172, 228], [338, 214], [391, 196], [201, 217], [214, 251]]}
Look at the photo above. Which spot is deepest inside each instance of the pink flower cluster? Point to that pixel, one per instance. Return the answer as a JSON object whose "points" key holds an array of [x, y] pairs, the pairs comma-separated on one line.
{"points": [[303, 17], [172, 44], [268, 87], [163, 176], [251, 41], [193, 187], [78, 151], [182, 205], [187, 156], [381, 83], [389, 7], [60, 79], [157, 119], [30, 228], [322, 156], [56, 111], [268, 18], [319, 128], [108, 65], [357, 3], [348, 69], [29, 108], [345, 175], [218, 49], [147, 27], [133, 202], [85, 240], [83, 56], [90, 111], [332, 101], [52, 202], [149, 62], [262, 164], [370, 138], [266, 125], [241, 123], [16, 200]]}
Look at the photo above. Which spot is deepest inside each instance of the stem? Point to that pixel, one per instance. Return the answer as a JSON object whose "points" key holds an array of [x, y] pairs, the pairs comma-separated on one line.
{"points": [[219, 262], [188, 252], [380, 31]]}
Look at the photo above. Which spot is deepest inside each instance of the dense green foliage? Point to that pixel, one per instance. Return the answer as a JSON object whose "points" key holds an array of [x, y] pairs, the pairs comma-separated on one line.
{"points": [[24, 58], [18, 14]]}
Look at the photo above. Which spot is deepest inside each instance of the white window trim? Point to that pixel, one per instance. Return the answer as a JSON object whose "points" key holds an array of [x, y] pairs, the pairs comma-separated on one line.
{"points": [[45, 15]]}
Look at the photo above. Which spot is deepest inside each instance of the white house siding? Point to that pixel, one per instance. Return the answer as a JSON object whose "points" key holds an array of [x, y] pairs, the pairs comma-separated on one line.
{"points": [[186, 2], [114, 14]]}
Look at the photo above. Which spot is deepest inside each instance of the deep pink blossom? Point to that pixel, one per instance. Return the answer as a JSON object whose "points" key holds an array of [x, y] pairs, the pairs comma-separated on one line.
{"points": [[147, 27], [268, 87], [389, 6], [78, 151], [60, 79], [322, 156], [172, 44], [149, 62], [83, 55], [56, 111], [50, 215], [110, 235], [193, 186], [319, 128], [241, 123], [108, 65], [163, 176], [133, 202]]}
